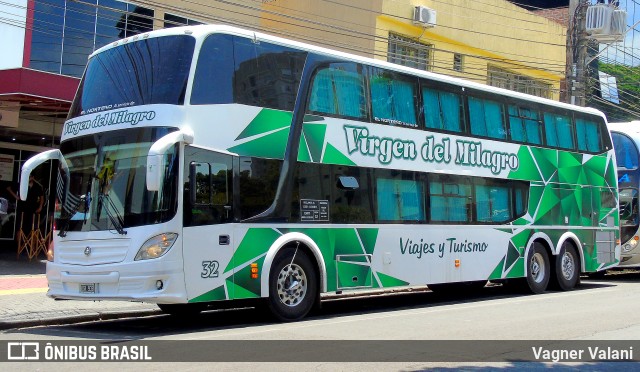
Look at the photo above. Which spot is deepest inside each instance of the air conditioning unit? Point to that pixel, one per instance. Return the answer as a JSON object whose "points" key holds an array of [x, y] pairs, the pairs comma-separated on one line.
{"points": [[618, 22], [424, 16], [598, 19]]}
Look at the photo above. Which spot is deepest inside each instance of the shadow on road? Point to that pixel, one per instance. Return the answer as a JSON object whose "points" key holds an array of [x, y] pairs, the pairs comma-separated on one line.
{"points": [[239, 318]]}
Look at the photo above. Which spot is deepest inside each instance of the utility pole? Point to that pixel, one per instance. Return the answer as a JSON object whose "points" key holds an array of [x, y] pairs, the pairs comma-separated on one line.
{"points": [[576, 53]]}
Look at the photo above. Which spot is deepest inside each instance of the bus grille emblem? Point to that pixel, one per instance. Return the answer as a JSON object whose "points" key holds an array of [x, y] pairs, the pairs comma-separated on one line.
{"points": [[87, 251]]}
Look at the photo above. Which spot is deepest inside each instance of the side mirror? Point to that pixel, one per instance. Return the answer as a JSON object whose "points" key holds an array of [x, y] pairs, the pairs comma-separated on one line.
{"points": [[155, 158], [36, 160]]}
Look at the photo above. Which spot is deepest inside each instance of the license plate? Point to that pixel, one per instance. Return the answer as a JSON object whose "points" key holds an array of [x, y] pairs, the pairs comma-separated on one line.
{"points": [[88, 288]]}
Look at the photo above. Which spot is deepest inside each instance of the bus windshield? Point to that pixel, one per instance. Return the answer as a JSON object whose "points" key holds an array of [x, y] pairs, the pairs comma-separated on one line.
{"points": [[107, 188], [148, 71]]}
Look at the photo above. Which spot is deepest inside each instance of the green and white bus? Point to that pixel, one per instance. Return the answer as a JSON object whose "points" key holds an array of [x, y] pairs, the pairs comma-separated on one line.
{"points": [[211, 163]]}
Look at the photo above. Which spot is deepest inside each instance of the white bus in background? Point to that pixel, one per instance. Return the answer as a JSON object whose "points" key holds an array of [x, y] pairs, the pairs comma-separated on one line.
{"points": [[626, 141], [210, 163]]}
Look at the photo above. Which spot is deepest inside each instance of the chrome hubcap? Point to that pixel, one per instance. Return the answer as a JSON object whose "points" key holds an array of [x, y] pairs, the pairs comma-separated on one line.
{"points": [[292, 285], [567, 266], [537, 269]]}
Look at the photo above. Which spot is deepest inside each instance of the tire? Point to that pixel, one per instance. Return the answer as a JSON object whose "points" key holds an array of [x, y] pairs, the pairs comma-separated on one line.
{"points": [[567, 270], [538, 268], [293, 286], [182, 310]]}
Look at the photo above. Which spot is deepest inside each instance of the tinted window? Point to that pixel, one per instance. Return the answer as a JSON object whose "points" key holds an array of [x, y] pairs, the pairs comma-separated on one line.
{"points": [[588, 135], [393, 98], [207, 187], [498, 202], [442, 110], [559, 131], [338, 89], [400, 199], [449, 199], [626, 151], [137, 73], [319, 182], [486, 118], [525, 125], [258, 183], [237, 70]]}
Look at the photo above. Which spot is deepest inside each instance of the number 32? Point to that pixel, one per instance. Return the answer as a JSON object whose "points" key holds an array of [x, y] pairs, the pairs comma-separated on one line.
{"points": [[209, 269]]}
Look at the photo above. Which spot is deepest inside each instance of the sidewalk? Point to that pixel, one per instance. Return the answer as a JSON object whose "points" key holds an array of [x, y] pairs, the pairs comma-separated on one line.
{"points": [[23, 300]]}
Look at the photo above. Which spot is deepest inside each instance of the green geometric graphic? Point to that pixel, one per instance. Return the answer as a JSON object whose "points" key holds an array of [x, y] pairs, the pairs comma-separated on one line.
{"points": [[266, 121]]}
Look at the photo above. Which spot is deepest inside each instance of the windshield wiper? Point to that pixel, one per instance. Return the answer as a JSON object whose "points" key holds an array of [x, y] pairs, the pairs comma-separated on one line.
{"points": [[63, 230], [116, 220]]}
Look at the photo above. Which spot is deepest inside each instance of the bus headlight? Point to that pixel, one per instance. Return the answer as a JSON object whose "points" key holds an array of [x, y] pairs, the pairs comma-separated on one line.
{"points": [[156, 246]]}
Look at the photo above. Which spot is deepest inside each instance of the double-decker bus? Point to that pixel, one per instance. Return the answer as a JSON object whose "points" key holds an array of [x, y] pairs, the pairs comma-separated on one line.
{"points": [[626, 139], [211, 163]]}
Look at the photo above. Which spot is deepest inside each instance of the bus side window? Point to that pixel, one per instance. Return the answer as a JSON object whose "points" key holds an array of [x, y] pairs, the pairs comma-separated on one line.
{"points": [[393, 98], [338, 90], [525, 125], [208, 184], [588, 136], [442, 110], [559, 131], [486, 118]]}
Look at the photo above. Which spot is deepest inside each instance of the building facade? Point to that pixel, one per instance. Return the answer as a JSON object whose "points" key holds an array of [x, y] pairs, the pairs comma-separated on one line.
{"points": [[47, 43]]}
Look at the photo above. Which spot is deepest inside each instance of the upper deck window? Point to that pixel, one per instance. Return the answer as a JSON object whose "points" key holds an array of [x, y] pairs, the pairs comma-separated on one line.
{"points": [[393, 98], [442, 110], [338, 89], [486, 118], [237, 70], [588, 135], [525, 125], [559, 131], [138, 73]]}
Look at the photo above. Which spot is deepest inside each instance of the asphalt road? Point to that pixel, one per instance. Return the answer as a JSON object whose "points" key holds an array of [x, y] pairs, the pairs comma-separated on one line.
{"points": [[603, 312]]}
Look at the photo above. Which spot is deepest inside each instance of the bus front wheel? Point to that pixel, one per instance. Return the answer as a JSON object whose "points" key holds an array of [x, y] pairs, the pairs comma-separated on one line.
{"points": [[292, 285], [538, 268]]}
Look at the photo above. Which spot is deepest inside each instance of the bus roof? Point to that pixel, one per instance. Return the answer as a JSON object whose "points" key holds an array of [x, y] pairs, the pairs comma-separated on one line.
{"points": [[200, 31]]}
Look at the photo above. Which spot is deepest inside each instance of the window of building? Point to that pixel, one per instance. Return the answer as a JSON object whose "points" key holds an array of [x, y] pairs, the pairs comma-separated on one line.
{"points": [[407, 52], [393, 98], [502, 78], [458, 60], [171, 20], [338, 89], [442, 110], [525, 125], [486, 118], [559, 131], [66, 32]]}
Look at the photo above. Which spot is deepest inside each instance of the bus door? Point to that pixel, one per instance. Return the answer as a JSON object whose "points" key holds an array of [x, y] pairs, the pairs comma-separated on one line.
{"points": [[207, 214]]}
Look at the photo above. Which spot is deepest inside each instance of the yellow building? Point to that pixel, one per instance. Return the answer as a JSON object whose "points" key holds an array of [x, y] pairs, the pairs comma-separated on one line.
{"points": [[490, 41]]}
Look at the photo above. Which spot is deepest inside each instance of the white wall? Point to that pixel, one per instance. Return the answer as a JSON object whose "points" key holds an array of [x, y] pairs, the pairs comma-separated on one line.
{"points": [[12, 30]]}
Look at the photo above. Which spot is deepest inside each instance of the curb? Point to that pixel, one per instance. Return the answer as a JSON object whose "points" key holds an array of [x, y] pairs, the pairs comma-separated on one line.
{"points": [[73, 319], [111, 315]]}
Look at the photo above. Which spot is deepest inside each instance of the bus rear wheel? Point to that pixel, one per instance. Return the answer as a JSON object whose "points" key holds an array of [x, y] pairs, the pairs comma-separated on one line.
{"points": [[538, 268], [567, 272], [293, 287]]}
